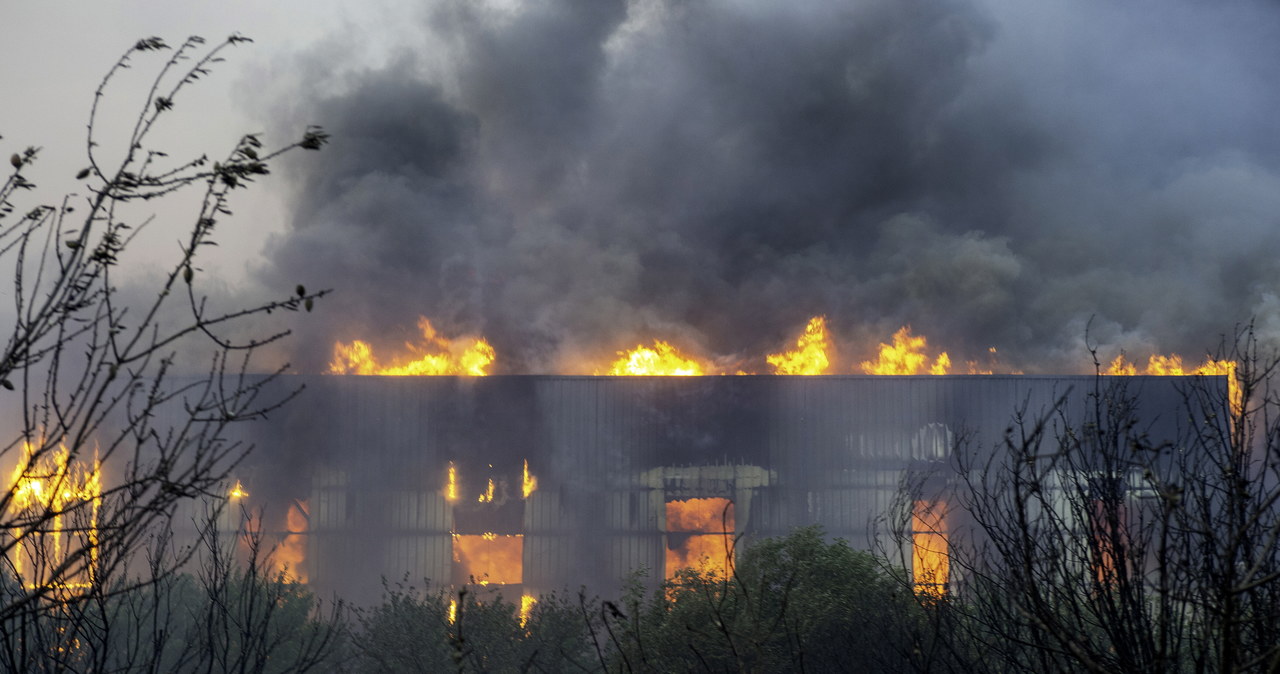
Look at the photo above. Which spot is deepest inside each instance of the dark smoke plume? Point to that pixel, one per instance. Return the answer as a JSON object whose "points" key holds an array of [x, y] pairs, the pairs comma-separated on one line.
{"points": [[571, 178]]}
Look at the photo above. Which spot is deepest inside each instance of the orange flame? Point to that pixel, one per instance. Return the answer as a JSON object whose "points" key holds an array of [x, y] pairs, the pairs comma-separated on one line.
{"points": [[810, 354], [662, 359], [292, 551], [977, 368], [707, 545], [434, 355], [529, 483], [451, 485], [526, 608], [48, 488], [486, 496], [930, 562], [1172, 366], [1122, 367], [906, 356]]}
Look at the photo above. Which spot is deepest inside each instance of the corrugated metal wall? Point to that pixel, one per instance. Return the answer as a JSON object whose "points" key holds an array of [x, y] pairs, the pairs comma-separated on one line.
{"points": [[372, 453]]}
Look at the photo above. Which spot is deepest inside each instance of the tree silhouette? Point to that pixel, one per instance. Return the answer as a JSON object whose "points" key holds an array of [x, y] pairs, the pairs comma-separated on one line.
{"points": [[105, 441]]}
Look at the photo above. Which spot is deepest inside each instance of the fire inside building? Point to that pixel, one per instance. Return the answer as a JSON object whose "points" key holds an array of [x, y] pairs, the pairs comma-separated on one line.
{"points": [[535, 484]]}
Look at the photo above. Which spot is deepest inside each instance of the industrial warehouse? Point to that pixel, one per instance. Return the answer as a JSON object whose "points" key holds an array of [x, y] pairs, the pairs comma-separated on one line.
{"points": [[544, 483]]}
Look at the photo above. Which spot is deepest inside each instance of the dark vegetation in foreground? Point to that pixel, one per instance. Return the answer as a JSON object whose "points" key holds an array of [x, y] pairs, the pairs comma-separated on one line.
{"points": [[798, 603]]}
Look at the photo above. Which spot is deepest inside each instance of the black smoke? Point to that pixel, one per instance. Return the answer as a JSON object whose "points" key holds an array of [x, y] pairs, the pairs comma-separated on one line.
{"points": [[571, 178]]}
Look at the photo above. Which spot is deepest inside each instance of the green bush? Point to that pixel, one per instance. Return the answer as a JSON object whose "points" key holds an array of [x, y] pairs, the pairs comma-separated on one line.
{"points": [[790, 604]]}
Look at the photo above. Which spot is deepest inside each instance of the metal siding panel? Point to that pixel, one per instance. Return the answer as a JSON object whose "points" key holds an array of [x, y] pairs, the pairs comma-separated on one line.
{"points": [[836, 445]]}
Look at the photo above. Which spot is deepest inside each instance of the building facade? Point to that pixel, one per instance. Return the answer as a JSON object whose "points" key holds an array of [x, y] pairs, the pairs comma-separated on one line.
{"points": [[542, 483]]}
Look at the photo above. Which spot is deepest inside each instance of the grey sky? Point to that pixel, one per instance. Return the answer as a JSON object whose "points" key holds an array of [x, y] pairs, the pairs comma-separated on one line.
{"points": [[52, 56], [569, 178]]}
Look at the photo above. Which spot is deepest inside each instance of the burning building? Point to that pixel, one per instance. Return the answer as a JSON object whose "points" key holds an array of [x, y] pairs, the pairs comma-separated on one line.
{"points": [[541, 483]]}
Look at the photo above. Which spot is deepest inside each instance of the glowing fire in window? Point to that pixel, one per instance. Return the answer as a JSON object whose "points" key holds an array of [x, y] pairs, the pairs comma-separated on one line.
{"points": [[700, 536], [810, 355], [1108, 545], [432, 355], [490, 558], [291, 554], [53, 498], [930, 563], [663, 359]]}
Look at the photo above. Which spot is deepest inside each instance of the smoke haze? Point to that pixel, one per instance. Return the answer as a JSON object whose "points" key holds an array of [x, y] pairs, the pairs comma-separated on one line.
{"points": [[572, 178]]}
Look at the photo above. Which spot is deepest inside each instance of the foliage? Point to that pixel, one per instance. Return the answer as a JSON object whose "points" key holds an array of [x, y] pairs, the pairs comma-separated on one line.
{"points": [[790, 604], [411, 631]]}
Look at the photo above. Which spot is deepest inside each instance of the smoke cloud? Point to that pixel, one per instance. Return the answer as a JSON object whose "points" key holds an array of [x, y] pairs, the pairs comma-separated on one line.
{"points": [[572, 178]]}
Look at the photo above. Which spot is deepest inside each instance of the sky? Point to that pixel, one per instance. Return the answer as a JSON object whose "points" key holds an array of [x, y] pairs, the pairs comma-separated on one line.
{"points": [[56, 54], [571, 178]]}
